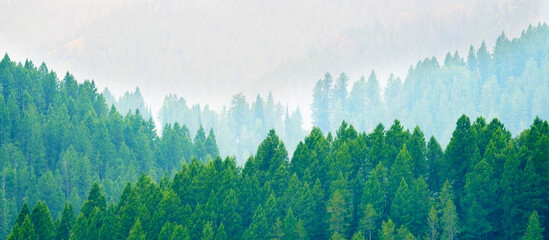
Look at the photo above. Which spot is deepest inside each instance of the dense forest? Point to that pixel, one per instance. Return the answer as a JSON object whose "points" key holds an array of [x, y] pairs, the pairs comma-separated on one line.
{"points": [[73, 168], [510, 83], [59, 137]]}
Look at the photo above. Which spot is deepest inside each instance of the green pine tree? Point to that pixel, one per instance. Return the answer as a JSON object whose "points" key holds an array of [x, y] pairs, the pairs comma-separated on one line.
{"points": [[534, 231], [136, 232]]}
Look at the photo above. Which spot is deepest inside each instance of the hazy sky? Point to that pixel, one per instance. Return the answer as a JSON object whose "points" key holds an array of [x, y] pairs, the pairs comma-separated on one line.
{"points": [[206, 51]]}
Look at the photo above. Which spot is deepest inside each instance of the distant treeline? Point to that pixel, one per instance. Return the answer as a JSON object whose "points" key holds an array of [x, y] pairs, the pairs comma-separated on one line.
{"points": [[510, 82]]}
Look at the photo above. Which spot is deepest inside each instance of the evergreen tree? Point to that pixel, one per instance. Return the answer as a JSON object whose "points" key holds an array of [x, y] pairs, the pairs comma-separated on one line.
{"points": [[23, 232], [258, 229], [358, 236], [401, 169], [136, 232], [434, 164], [534, 230], [42, 221], [449, 221], [433, 223], [369, 221], [337, 210], [211, 145], [387, 230], [336, 236], [459, 153], [401, 207], [220, 233], [65, 224]]}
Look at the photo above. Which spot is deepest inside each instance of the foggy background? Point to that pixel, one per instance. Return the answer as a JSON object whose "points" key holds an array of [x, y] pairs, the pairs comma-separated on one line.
{"points": [[207, 51]]}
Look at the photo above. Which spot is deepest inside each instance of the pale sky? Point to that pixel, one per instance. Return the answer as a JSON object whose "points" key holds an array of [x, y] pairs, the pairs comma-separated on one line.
{"points": [[207, 51]]}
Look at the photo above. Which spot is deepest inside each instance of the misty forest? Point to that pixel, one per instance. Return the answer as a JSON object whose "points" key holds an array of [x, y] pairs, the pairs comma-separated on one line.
{"points": [[457, 149]]}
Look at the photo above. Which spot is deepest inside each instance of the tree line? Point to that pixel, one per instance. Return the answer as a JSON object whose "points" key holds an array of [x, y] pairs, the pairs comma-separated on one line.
{"points": [[59, 137], [508, 82], [387, 184]]}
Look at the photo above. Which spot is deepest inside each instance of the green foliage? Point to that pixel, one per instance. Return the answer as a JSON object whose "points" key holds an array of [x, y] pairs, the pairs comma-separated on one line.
{"points": [[42, 221], [387, 230], [119, 179], [136, 232], [534, 230]]}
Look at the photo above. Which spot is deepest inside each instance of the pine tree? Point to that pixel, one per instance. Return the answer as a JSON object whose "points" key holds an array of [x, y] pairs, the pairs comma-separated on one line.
{"points": [[25, 211], [220, 233], [289, 228], [420, 205], [95, 199], [211, 145], [336, 236], [401, 169], [479, 201], [369, 221], [432, 222], [258, 229], [534, 231], [358, 236], [387, 230], [459, 153], [24, 232], [136, 232], [126, 212], [417, 149], [434, 164], [449, 221], [42, 221], [401, 207], [403, 233], [337, 210]]}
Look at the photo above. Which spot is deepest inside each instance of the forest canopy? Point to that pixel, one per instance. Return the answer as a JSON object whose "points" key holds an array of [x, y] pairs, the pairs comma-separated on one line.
{"points": [[71, 167]]}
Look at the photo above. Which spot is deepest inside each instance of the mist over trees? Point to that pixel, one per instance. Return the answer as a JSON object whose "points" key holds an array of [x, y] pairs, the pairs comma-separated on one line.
{"points": [[73, 167], [128, 103], [240, 126], [509, 82], [59, 137]]}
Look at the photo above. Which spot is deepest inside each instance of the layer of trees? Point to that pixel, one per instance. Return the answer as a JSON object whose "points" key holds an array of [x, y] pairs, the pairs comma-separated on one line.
{"points": [[241, 126], [387, 184], [128, 103], [58, 137], [510, 82]]}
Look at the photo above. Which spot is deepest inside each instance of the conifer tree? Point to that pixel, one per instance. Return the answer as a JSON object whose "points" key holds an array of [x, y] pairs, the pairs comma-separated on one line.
{"points": [[42, 221], [432, 222], [258, 229], [220, 234], [387, 230], [449, 221], [358, 236], [369, 221], [136, 232], [24, 232], [207, 232], [401, 207], [337, 210], [534, 230]]}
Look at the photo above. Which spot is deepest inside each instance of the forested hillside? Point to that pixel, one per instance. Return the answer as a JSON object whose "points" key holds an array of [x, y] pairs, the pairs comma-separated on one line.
{"points": [[59, 137], [388, 184], [510, 82], [72, 167]]}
